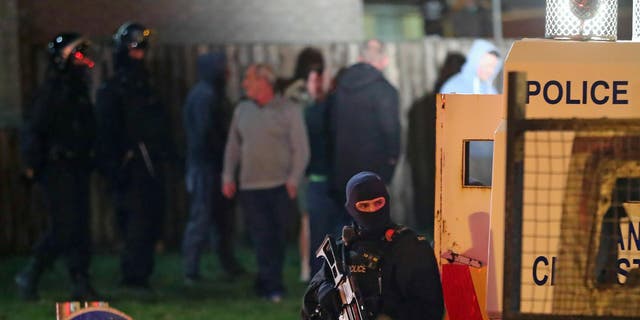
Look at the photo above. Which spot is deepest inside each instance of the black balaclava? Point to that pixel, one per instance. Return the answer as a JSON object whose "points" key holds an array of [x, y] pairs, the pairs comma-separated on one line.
{"points": [[367, 186]]}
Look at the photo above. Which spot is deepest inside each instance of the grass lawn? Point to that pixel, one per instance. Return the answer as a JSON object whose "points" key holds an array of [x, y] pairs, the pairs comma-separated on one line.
{"points": [[219, 298]]}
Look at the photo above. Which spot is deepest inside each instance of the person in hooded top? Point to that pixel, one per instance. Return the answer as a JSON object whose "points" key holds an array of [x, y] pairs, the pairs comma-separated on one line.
{"points": [[393, 268], [206, 117], [364, 120], [478, 72]]}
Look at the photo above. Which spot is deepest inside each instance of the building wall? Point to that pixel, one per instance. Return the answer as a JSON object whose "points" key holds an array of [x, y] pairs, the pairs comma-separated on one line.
{"points": [[201, 21], [393, 22], [9, 84]]}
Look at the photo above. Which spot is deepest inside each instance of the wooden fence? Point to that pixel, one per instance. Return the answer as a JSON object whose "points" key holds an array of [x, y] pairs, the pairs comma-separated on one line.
{"points": [[413, 70]]}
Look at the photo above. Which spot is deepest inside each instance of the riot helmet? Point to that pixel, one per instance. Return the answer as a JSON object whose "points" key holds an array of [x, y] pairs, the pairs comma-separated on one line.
{"points": [[131, 35], [69, 49], [130, 42]]}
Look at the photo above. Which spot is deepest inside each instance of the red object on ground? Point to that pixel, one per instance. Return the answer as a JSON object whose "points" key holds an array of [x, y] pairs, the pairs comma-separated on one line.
{"points": [[460, 297]]}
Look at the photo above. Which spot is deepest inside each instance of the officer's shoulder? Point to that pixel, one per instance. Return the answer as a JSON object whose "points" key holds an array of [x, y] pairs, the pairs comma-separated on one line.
{"points": [[406, 235], [109, 84]]}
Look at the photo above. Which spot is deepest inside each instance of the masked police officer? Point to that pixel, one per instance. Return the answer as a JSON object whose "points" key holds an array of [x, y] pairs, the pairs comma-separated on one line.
{"points": [[394, 270], [57, 144], [133, 139]]}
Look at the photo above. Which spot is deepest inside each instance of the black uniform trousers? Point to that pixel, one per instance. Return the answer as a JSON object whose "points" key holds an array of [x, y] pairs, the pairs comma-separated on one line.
{"points": [[139, 201], [66, 194]]}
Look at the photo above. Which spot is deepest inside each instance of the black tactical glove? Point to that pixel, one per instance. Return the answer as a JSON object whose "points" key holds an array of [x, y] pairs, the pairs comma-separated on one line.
{"points": [[329, 300]]}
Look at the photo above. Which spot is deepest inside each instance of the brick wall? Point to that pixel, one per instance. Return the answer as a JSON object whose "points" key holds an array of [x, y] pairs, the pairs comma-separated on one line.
{"points": [[200, 21]]}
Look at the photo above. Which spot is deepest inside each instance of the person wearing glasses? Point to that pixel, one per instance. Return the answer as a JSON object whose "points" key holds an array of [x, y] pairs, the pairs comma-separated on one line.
{"points": [[394, 269]]}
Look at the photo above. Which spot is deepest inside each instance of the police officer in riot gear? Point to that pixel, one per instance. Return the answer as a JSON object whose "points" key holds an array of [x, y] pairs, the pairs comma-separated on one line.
{"points": [[133, 140], [57, 147], [394, 270]]}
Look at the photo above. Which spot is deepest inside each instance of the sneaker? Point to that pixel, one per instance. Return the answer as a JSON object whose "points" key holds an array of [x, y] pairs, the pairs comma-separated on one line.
{"points": [[192, 280], [138, 290], [232, 268], [83, 291], [275, 297], [135, 284], [27, 290], [27, 279]]}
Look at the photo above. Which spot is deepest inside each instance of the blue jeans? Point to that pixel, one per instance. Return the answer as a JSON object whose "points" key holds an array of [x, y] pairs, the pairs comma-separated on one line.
{"points": [[326, 216], [210, 220], [266, 212]]}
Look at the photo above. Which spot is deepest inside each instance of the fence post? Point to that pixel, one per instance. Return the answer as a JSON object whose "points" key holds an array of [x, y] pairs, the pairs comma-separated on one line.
{"points": [[9, 71]]}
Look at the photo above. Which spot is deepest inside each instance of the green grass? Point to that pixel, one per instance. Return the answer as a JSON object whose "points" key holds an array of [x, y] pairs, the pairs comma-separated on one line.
{"points": [[219, 298]]}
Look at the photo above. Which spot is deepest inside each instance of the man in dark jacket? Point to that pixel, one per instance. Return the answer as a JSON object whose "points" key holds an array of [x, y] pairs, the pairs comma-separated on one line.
{"points": [[394, 270], [57, 147], [365, 122], [133, 133], [206, 122]]}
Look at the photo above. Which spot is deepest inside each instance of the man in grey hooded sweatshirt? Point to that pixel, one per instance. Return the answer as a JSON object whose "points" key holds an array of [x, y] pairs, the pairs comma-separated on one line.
{"points": [[478, 73]]}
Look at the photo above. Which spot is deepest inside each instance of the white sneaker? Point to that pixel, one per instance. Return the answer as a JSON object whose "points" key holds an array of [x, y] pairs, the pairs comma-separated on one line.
{"points": [[274, 297]]}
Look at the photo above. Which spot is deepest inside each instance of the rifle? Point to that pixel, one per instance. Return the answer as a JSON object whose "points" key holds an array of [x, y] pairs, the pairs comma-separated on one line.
{"points": [[352, 307]]}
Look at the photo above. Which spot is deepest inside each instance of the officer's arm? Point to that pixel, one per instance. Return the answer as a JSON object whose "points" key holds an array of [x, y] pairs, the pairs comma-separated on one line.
{"points": [[419, 281], [321, 296], [33, 146], [108, 134]]}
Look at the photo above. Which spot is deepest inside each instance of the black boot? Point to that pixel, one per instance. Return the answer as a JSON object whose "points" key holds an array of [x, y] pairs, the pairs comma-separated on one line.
{"points": [[82, 289], [27, 280]]}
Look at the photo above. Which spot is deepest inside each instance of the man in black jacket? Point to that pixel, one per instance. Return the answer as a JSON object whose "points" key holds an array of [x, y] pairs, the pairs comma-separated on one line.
{"points": [[57, 147], [206, 116], [134, 142], [394, 270], [364, 120]]}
